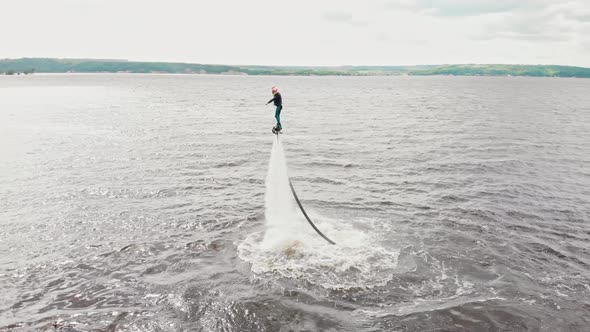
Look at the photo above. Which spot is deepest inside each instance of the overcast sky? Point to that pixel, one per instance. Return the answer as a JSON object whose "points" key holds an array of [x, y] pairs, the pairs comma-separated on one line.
{"points": [[301, 32]]}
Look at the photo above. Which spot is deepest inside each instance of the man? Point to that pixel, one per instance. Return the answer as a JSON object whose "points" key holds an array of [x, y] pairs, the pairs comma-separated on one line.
{"points": [[278, 101]]}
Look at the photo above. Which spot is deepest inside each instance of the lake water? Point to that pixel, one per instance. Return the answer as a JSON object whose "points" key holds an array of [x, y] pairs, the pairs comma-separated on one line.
{"points": [[138, 203]]}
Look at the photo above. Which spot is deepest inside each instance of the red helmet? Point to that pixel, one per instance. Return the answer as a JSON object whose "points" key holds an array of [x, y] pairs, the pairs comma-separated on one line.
{"points": [[274, 90]]}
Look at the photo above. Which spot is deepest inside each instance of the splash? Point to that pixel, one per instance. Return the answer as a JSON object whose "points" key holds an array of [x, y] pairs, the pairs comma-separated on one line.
{"points": [[290, 248]]}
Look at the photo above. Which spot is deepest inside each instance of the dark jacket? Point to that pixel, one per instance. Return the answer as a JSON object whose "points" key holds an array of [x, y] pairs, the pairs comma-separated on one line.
{"points": [[277, 99]]}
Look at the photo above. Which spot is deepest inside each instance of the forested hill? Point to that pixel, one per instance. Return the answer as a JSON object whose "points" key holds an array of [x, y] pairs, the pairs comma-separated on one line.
{"points": [[48, 65], [506, 70]]}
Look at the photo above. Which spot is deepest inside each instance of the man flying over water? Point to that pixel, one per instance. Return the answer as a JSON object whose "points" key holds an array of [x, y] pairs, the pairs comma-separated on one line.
{"points": [[278, 101]]}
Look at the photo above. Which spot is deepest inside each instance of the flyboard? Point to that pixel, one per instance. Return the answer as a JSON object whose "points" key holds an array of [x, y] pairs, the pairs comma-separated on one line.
{"points": [[277, 132]]}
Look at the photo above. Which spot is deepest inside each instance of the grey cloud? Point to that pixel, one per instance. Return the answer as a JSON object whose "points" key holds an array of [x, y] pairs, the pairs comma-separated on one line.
{"points": [[531, 20], [533, 37], [458, 8], [469, 7], [576, 10], [547, 23], [577, 16], [338, 17], [343, 17], [384, 37]]}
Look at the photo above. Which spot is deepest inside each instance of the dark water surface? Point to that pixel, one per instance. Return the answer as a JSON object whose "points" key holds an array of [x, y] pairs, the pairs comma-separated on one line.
{"points": [[137, 203]]}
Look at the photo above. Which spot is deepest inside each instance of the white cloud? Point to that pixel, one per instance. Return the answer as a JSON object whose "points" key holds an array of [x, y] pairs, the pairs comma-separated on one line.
{"points": [[304, 32]]}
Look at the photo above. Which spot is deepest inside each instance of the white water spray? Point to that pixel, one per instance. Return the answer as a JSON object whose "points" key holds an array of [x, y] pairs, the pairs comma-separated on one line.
{"points": [[283, 220]]}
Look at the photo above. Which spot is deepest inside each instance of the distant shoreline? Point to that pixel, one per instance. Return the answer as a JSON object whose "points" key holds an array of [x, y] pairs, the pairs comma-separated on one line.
{"points": [[265, 75], [88, 66]]}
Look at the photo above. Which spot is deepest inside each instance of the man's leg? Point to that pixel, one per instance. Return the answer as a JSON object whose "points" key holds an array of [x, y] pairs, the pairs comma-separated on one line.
{"points": [[278, 117]]}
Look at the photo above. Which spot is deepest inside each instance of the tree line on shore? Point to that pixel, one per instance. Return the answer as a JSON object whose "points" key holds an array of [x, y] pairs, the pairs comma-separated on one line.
{"points": [[49, 65]]}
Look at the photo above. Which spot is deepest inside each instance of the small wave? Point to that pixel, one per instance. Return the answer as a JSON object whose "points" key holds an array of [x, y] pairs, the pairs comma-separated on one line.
{"points": [[324, 180], [234, 163], [324, 164], [422, 306]]}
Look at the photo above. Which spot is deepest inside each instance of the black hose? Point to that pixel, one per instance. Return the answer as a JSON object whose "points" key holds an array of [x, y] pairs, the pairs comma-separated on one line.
{"points": [[306, 216]]}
